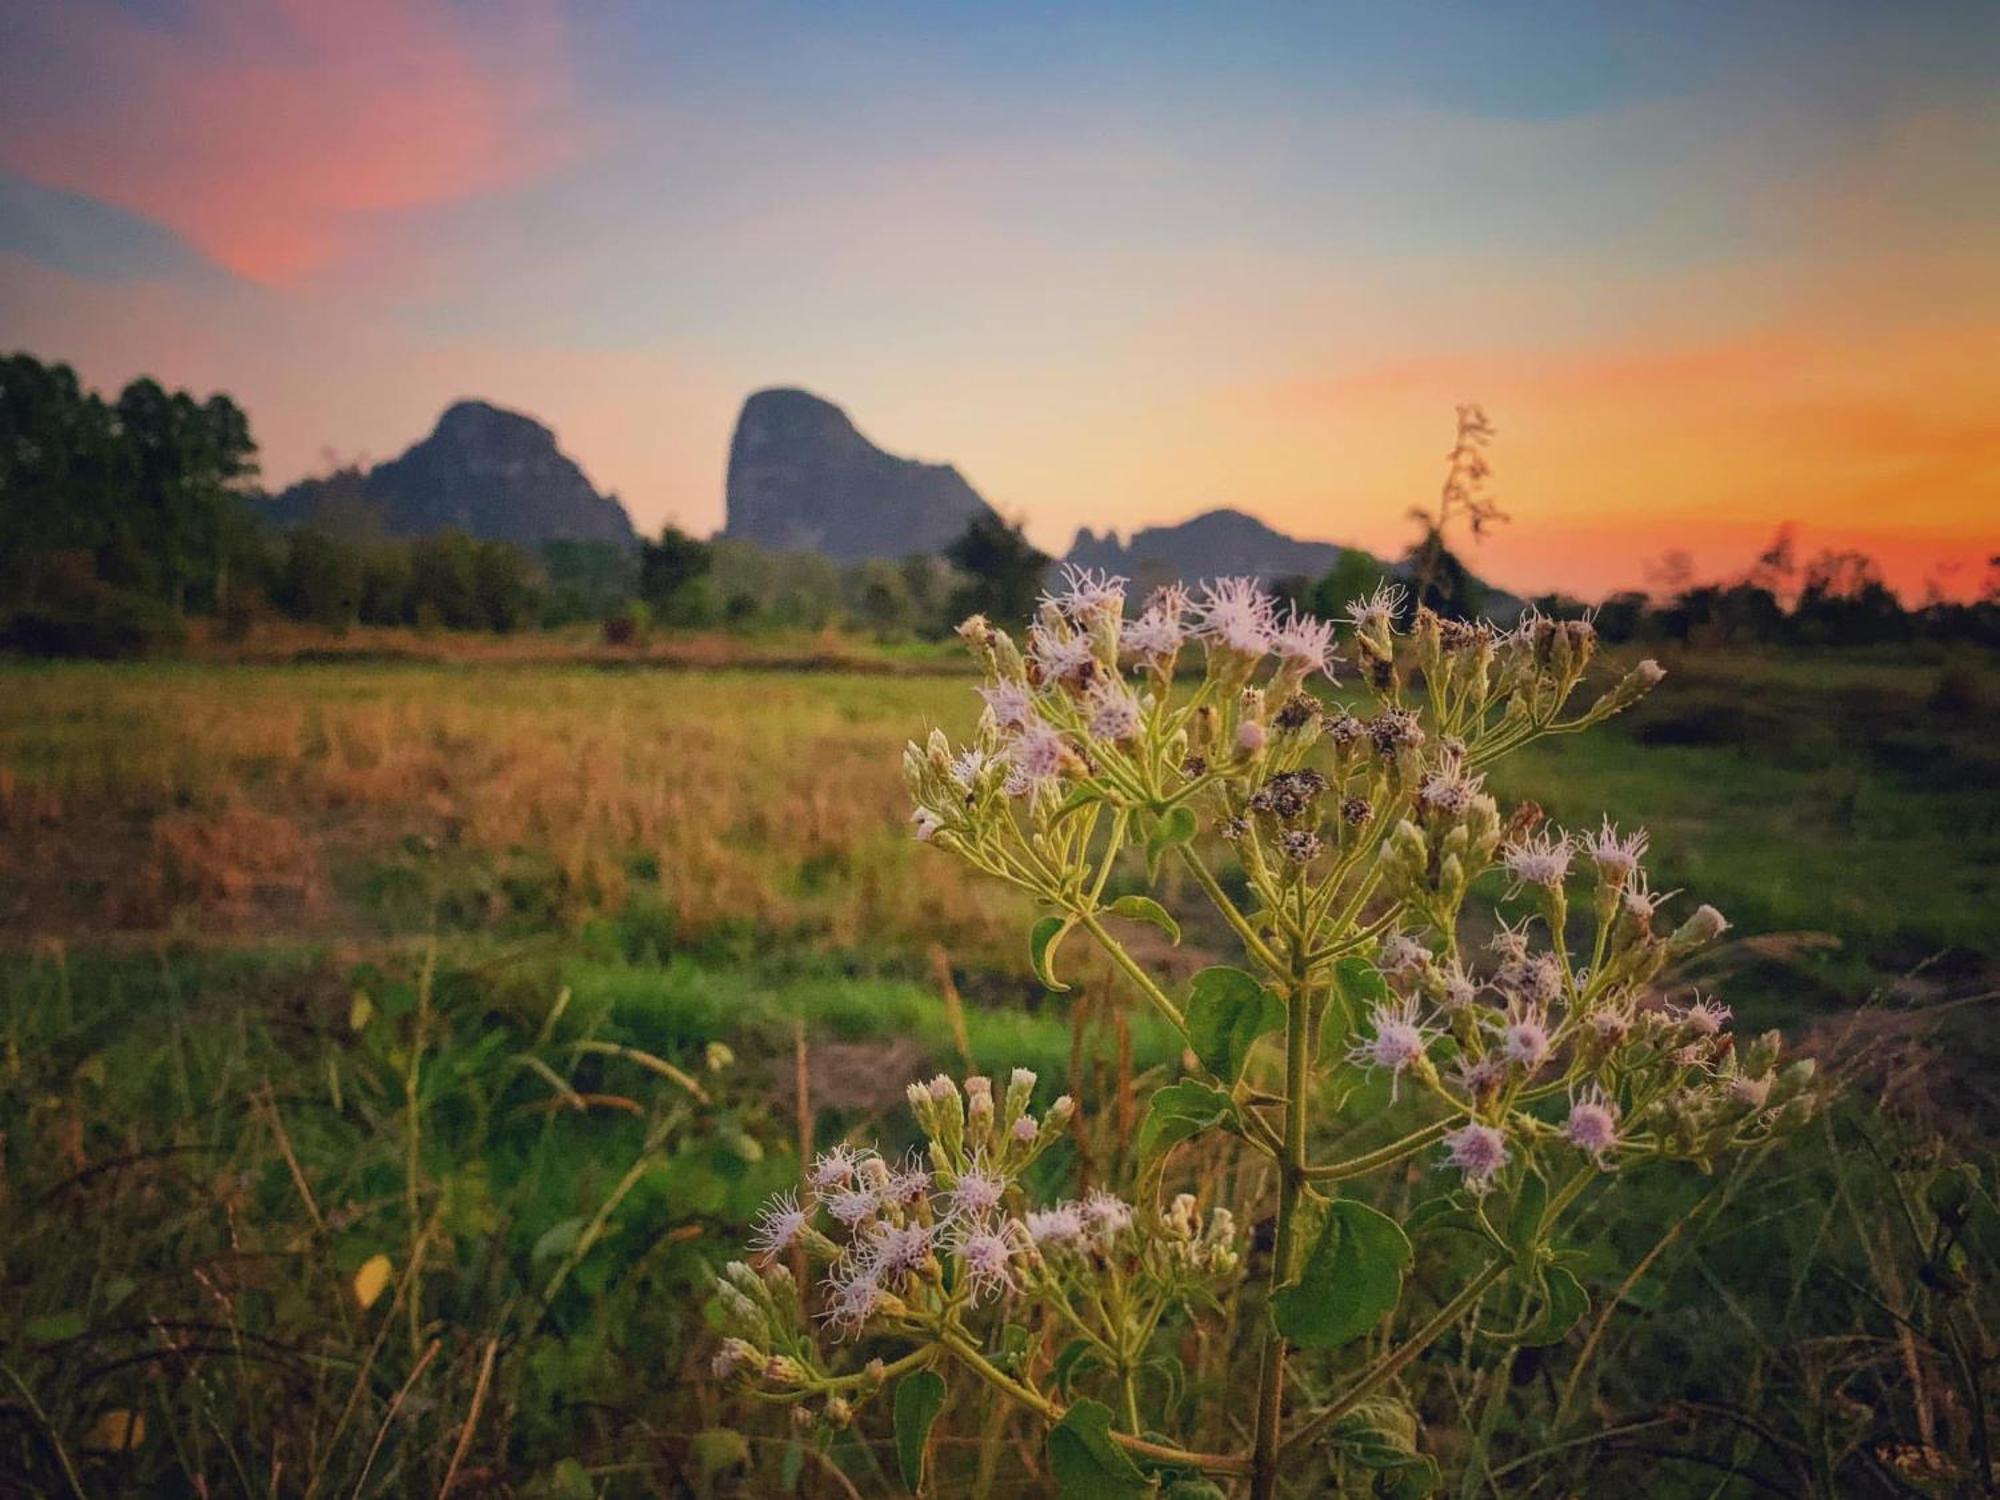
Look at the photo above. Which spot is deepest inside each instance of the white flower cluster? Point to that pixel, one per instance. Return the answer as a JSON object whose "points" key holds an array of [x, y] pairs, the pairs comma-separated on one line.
{"points": [[917, 1246]]}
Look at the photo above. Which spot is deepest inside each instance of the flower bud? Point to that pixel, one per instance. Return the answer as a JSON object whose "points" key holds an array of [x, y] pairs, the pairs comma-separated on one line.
{"points": [[1698, 931]]}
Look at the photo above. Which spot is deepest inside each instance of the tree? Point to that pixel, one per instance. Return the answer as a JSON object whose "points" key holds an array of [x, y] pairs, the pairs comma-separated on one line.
{"points": [[669, 569], [62, 472], [1003, 569], [187, 458]]}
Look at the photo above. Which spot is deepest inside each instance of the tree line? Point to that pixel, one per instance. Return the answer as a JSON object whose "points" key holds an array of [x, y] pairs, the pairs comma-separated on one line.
{"points": [[122, 518]]}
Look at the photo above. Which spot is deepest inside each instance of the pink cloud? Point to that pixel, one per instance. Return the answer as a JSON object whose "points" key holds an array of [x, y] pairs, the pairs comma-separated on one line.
{"points": [[270, 133]]}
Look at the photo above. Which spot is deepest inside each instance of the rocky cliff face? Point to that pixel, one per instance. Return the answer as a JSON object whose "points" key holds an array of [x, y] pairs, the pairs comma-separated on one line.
{"points": [[488, 472], [801, 478], [1214, 544]]}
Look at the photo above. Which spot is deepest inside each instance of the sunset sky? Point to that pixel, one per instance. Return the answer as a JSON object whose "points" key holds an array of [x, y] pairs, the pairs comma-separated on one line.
{"points": [[1710, 267]]}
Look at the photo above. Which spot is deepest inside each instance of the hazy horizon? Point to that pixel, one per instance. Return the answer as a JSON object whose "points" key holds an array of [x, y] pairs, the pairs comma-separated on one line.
{"points": [[1710, 269]]}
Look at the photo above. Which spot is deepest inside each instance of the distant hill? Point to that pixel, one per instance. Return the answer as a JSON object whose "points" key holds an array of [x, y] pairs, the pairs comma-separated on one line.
{"points": [[803, 479], [486, 471], [1213, 544]]}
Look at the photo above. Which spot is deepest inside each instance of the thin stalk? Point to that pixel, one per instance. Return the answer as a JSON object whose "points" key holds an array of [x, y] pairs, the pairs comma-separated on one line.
{"points": [[1291, 1183], [1211, 888], [1394, 1360]]}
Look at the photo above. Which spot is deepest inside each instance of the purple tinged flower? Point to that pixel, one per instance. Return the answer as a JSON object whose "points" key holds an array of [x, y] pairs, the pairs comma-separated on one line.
{"points": [[855, 1294], [1025, 1130], [976, 1193], [970, 765], [1524, 1040], [1035, 758], [832, 1168], [1060, 658], [1617, 858], [1479, 1151], [1086, 591], [926, 824], [1398, 1041], [1542, 859], [1592, 1126], [988, 1258], [1510, 944], [1401, 954], [909, 1184], [851, 1205], [1061, 1224], [1480, 1076], [1704, 1017], [1303, 641], [1106, 1216], [1459, 991], [1115, 716], [1754, 1092], [1236, 614], [1377, 613], [1010, 705], [779, 1224], [1250, 736], [1158, 633], [1447, 792], [894, 1251]]}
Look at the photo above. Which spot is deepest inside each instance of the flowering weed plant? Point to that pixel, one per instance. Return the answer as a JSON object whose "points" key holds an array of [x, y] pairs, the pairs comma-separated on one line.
{"points": [[1541, 1055]]}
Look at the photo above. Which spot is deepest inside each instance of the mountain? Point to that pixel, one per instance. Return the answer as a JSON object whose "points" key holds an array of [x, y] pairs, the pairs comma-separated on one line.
{"points": [[486, 471], [1214, 544], [802, 478]]}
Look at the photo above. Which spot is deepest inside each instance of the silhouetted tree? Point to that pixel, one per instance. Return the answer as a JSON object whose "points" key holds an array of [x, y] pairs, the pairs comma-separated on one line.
{"points": [[669, 570], [1003, 571]]}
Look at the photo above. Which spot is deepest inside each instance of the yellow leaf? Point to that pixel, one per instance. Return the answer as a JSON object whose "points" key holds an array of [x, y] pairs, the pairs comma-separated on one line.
{"points": [[371, 1279], [361, 1012], [116, 1432]]}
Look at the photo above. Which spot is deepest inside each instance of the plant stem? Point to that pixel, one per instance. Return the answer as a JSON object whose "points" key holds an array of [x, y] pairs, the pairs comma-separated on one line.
{"points": [[962, 1349], [1396, 1358], [1147, 987], [1212, 888], [1291, 1183]]}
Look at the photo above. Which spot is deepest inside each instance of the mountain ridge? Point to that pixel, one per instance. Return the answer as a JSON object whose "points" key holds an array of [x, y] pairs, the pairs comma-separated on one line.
{"points": [[803, 478], [484, 469]]}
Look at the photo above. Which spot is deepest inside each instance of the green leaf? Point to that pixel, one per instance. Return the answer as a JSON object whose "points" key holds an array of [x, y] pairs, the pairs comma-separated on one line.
{"points": [[1042, 949], [1564, 1302], [1176, 828], [1442, 1213], [1381, 1434], [719, 1449], [1353, 1277], [557, 1239], [53, 1328], [1524, 1224], [1178, 1111], [1145, 909], [919, 1399], [1227, 1011], [1086, 1464], [569, 1480], [1076, 1357]]}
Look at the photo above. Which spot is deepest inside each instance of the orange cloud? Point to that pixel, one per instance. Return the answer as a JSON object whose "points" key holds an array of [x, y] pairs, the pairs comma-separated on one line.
{"points": [[270, 133]]}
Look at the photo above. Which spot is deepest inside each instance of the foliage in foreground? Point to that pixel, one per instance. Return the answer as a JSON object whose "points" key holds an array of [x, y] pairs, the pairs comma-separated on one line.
{"points": [[1359, 842]]}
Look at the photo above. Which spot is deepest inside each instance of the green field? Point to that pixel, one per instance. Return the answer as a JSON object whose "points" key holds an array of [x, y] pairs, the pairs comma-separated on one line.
{"points": [[513, 972]]}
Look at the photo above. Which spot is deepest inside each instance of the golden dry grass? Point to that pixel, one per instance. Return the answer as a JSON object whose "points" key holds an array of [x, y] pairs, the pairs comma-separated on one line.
{"points": [[772, 800]]}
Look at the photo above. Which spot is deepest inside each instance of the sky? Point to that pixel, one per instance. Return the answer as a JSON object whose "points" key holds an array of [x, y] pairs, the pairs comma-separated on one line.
{"points": [[1709, 267]]}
